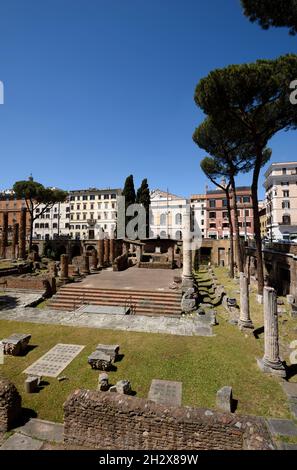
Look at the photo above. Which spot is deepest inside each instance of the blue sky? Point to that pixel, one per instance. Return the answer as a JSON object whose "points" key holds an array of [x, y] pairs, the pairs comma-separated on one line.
{"points": [[98, 89]]}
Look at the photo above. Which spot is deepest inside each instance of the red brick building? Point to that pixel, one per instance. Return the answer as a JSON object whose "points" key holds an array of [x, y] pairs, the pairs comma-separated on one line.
{"points": [[13, 206], [217, 224]]}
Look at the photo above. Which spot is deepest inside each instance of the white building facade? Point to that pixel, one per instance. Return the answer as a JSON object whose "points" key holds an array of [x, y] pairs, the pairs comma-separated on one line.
{"points": [[198, 205], [52, 223], [281, 201], [166, 215]]}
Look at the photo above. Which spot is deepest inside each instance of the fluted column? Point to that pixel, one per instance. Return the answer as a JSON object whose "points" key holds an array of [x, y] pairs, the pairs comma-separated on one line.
{"points": [[271, 362], [22, 233], [244, 318], [187, 276]]}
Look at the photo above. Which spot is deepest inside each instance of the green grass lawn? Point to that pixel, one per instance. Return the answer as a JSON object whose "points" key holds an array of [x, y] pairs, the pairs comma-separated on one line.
{"points": [[203, 364]]}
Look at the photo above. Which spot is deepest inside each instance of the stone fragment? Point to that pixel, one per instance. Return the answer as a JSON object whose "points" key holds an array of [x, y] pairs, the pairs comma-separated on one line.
{"points": [[113, 388], [103, 385], [224, 399], [31, 384], [99, 360], [16, 344], [111, 350], [123, 387], [290, 299]]}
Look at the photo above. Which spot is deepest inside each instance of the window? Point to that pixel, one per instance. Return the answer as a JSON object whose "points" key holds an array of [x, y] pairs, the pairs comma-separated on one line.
{"points": [[37, 211], [238, 213], [163, 219], [84, 207], [78, 198], [212, 225], [67, 216], [248, 224], [212, 215], [113, 205], [113, 196], [178, 219], [247, 212], [202, 212], [72, 198], [202, 222], [45, 225], [91, 215], [41, 225], [84, 216], [72, 207], [106, 196], [78, 207], [67, 209], [225, 225], [36, 225], [238, 198], [225, 202], [71, 216], [286, 204], [285, 183], [47, 216], [92, 197], [225, 215], [85, 198], [55, 225], [106, 205], [92, 207], [284, 171], [77, 227], [212, 203], [105, 215], [55, 216], [286, 220], [77, 216], [99, 205], [66, 225], [286, 193], [246, 199]]}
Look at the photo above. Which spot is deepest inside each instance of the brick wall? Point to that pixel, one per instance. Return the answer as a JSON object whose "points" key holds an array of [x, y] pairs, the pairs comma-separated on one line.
{"points": [[43, 284], [10, 405], [104, 420]]}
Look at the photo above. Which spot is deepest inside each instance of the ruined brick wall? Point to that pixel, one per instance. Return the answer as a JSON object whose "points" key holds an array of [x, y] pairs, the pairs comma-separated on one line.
{"points": [[120, 263], [103, 420], [43, 284], [10, 405]]}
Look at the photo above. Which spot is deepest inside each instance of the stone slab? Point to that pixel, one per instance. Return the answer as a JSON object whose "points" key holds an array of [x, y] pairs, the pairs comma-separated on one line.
{"points": [[20, 442], [282, 427], [43, 430], [104, 309], [166, 392], [54, 361]]}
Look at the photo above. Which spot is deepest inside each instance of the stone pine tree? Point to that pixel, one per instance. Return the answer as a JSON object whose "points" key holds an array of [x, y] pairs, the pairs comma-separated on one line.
{"points": [[231, 156], [272, 13], [214, 172], [36, 195], [143, 197], [254, 99]]}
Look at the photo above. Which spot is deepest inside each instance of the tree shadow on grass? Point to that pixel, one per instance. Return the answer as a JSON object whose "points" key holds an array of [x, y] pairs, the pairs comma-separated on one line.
{"points": [[258, 331], [26, 415], [291, 371], [8, 302], [28, 349]]}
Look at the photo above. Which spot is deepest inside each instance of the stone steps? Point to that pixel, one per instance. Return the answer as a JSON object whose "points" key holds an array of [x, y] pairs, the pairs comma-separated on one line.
{"points": [[144, 302]]}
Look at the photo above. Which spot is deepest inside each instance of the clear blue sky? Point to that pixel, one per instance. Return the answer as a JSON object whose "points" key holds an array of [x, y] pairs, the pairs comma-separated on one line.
{"points": [[98, 89]]}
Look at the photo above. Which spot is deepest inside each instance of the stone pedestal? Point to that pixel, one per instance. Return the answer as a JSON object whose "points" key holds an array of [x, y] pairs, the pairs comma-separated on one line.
{"points": [[64, 267], [94, 261], [85, 265], [4, 236], [271, 363], [244, 318], [138, 253], [101, 252], [14, 242], [187, 276], [22, 233], [106, 251]]}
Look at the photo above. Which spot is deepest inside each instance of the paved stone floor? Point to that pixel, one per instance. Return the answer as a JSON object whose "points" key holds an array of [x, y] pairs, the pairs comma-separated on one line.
{"points": [[183, 326], [133, 278], [14, 298]]}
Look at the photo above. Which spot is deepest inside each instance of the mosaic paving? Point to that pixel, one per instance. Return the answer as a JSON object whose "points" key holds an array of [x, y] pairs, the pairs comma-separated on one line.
{"points": [[166, 392], [54, 361]]}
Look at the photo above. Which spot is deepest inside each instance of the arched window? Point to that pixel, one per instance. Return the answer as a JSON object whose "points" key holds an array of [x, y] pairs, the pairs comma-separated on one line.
{"points": [[178, 219], [286, 219], [163, 234], [163, 219], [178, 235]]}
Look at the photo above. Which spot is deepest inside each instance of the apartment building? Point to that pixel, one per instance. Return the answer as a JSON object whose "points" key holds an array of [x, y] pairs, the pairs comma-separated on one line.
{"points": [[166, 214], [217, 223], [9, 203], [93, 211], [198, 205], [52, 223], [281, 200]]}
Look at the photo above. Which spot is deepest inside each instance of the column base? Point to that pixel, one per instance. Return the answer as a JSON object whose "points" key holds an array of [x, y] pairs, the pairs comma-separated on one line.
{"points": [[245, 324], [276, 368], [187, 282]]}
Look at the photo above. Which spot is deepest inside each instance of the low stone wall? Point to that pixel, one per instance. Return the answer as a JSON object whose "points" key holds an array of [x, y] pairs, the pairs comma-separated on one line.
{"points": [[45, 283], [22, 269], [102, 420], [10, 405], [155, 265]]}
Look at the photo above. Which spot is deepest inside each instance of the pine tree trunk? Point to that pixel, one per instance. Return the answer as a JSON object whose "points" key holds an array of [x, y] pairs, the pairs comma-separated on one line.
{"points": [[257, 228], [231, 235], [237, 235]]}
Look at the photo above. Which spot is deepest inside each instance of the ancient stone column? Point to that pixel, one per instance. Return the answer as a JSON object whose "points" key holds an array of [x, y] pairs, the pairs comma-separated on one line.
{"points": [[64, 266], [111, 249], [14, 242], [187, 276], [94, 260], [101, 250], [4, 237], [138, 253], [244, 318], [22, 233], [171, 255], [85, 265], [106, 251], [53, 268], [271, 362]]}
